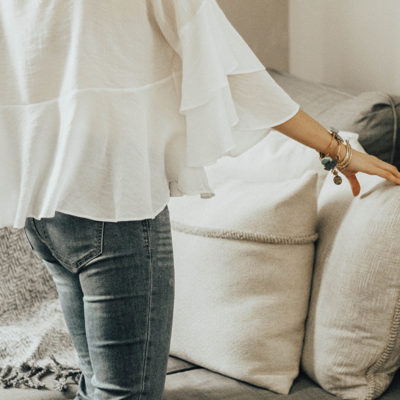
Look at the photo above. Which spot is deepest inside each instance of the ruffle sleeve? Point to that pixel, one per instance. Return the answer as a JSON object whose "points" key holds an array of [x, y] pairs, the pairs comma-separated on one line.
{"points": [[227, 97]]}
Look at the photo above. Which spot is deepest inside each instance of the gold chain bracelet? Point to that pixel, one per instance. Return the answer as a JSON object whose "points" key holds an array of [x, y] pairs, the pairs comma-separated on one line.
{"points": [[347, 158]]}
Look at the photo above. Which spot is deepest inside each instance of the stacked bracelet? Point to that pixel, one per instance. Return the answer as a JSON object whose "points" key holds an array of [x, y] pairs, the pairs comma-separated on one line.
{"points": [[332, 164], [341, 165]]}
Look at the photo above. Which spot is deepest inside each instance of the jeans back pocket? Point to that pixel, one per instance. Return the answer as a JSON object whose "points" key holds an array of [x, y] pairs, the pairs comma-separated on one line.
{"points": [[73, 241]]}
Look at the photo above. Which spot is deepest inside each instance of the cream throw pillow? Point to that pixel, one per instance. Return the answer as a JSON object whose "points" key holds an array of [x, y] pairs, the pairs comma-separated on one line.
{"points": [[352, 342], [243, 262]]}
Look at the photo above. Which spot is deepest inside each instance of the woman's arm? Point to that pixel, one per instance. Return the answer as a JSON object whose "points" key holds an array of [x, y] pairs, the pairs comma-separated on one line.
{"points": [[309, 132]]}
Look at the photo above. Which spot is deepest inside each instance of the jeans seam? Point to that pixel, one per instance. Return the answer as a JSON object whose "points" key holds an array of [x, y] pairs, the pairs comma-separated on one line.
{"points": [[42, 235], [38, 230], [99, 242], [147, 232], [26, 235]]}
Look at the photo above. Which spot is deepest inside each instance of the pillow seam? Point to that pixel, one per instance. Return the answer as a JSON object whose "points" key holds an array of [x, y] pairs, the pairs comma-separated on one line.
{"points": [[243, 235], [386, 353]]}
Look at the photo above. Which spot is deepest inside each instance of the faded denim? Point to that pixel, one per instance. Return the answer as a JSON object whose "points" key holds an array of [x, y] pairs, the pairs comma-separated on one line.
{"points": [[115, 282]]}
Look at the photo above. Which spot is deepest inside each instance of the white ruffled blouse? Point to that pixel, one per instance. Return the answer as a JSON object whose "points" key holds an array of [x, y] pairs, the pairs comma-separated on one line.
{"points": [[109, 108]]}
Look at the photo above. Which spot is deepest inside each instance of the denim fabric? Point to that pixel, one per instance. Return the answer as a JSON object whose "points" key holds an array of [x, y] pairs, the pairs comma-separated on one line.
{"points": [[115, 282]]}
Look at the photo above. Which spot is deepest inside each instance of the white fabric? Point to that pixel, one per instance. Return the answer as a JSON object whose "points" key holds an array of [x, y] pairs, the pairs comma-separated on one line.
{"points": [[109, 108], [274, 159], [243, 263], [352, 340]]}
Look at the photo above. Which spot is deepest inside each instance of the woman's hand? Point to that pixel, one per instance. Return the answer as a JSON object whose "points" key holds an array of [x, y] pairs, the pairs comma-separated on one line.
{"points": [[311, 133], [371, 165]]}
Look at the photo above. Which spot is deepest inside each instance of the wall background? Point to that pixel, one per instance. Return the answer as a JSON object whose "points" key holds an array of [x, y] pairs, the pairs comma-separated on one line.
{"points": [[346, 43], [264, 26]]}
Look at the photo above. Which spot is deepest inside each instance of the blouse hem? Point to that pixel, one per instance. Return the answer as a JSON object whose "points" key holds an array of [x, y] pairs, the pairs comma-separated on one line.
{"points": [[152, 215]]}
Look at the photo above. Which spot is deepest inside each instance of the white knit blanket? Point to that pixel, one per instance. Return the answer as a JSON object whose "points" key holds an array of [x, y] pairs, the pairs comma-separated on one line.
{"points": [[33, 336]]}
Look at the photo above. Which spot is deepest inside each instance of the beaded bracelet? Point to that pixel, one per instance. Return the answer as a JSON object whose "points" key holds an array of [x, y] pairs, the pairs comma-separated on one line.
{"points": [[331, 164]]}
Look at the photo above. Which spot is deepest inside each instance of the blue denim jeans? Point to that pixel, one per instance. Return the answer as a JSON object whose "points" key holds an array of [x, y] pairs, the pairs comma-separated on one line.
{"points": [[115, 282]]}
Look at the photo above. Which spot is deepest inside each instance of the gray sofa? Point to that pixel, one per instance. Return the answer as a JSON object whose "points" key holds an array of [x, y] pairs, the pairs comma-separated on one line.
{"points": [[374, 116]]}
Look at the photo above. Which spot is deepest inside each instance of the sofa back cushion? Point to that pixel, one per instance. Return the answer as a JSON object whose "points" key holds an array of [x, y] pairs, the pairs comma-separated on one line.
{"points": [[375, 116]]}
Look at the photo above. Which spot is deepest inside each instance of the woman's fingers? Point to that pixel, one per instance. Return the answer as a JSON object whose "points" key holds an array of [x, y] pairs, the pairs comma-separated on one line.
{"points": [[391, 176], [362, 162], [369, 164], [385, 170], [388, 171], [355, 185]]}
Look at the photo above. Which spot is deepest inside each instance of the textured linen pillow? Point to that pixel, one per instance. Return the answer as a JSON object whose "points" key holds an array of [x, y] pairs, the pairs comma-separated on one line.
{"points": [[352, 341], [243, 263]]}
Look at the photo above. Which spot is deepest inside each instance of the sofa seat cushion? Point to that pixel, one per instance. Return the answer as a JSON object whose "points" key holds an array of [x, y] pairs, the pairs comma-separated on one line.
{"points": [[186, 381], [175, 365], [204, 384]]}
